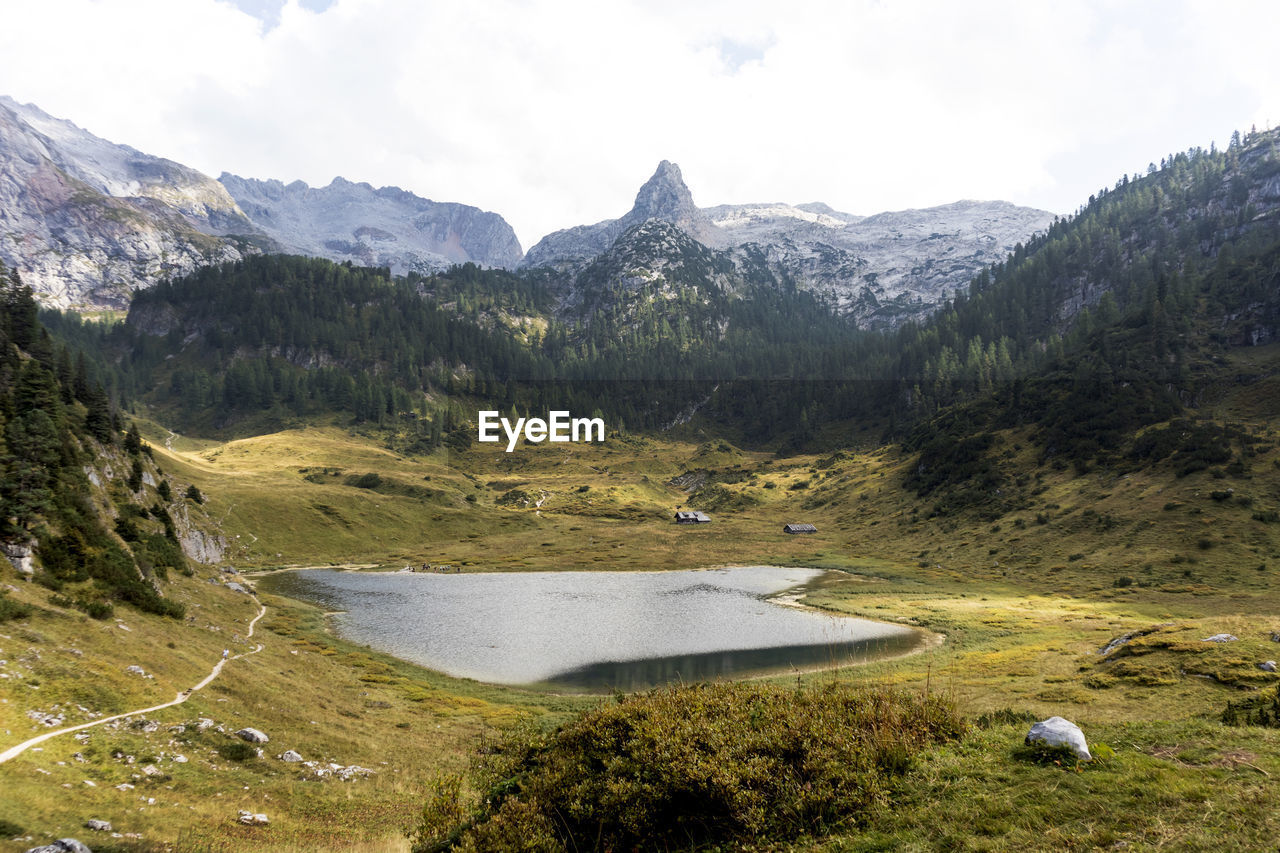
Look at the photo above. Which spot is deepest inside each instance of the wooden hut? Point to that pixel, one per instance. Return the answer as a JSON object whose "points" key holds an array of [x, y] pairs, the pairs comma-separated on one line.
{"points": [[692, 517]]}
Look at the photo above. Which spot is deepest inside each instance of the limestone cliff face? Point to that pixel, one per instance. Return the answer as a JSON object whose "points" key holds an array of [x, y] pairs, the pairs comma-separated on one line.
{"points": [[885, 269], [386, 227], [879, 270], [86, 222]]}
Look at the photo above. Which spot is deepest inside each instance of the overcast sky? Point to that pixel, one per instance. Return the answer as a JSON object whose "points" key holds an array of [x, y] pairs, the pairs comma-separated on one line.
{"points": [[553, 113]]}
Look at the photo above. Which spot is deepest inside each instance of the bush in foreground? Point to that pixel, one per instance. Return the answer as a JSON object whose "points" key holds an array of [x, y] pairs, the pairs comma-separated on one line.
{"points": [[690, 766]]}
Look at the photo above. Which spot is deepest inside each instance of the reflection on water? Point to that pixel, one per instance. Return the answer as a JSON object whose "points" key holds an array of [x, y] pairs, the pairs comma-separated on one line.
{"points": [[591, 630], [629, 675]]}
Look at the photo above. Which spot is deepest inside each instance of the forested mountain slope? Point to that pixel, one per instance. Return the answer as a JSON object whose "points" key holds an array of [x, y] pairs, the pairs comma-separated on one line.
{"points": [[1122, 309], [102, 521]]}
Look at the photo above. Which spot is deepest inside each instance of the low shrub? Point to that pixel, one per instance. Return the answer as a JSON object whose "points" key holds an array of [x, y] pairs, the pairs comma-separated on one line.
{"points": [[1260, 709], [237, 750], [693, 766], [10, 609]]}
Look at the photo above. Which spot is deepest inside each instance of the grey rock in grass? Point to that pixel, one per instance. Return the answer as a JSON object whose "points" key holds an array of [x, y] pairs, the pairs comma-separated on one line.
{"points": [[252, 735], [290, 755], [98, 825], [1267, 666], [251, 819], [63, 845], [1221, 638], [1056, 731]]}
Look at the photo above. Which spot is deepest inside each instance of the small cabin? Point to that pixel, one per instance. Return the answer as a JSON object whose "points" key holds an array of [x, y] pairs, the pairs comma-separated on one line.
{"points": [[692, 517], [799, 528]]}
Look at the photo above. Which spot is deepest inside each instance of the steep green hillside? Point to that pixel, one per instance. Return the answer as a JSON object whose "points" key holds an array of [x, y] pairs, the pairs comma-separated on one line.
{"points": [[71, 518]]}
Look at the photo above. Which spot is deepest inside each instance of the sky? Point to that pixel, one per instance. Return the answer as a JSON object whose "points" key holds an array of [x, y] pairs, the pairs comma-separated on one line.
{"points": [[554, 112]]}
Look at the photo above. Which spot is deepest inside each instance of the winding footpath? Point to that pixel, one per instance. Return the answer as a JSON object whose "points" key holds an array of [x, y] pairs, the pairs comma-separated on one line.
{"points": [[14, 752]]}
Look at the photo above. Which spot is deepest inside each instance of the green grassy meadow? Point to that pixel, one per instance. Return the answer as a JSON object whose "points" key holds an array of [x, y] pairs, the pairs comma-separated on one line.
{"points": [[1021, 605]]}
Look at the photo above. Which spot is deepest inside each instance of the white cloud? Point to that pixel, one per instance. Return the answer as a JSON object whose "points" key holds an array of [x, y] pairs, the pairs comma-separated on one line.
{"points": [[552, 112]]}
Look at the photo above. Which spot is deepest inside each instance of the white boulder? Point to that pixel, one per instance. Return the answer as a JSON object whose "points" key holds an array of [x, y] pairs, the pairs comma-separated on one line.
{"points": [[1056, 731]]}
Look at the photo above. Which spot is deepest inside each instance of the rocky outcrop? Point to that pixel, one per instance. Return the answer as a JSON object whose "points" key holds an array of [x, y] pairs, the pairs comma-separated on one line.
{"points": [[197, 544], [386, 227], [879, 270], [86, 222], [20, 555], [252, 735]]}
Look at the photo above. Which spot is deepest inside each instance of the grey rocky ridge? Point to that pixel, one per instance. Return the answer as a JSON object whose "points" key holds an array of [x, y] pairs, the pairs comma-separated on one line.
{"points": [[386, 227], [86, 221], [879, 270]]}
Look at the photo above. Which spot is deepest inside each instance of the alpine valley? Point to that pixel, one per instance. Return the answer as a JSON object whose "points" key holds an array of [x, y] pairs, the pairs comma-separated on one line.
{"points": [[1047, 444]]}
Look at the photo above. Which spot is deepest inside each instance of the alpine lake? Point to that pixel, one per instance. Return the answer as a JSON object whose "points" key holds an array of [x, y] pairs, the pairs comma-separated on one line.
{"points": [[589, 632]]}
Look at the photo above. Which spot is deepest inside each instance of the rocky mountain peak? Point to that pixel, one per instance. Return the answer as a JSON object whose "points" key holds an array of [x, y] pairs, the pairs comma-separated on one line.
{"points": [[86, 221], [664, 196]]}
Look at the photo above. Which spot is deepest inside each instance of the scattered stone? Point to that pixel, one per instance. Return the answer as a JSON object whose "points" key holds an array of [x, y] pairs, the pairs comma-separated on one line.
{"points": [[204, 723], [177, 730], [152, 770], [336, 771], [91, 783], [1056, 731], [235, 587], [135, 669], [98, 825], [1221, 638], [290, 755], [1275, 636], [63, 845], [179, 759], [124, 786], [252, 735], [45, 719], [1267, 666], [251, 819]]}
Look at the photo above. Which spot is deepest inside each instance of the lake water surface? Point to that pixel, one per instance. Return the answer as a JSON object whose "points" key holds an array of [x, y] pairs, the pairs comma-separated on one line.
{"points": [[593, 630]]}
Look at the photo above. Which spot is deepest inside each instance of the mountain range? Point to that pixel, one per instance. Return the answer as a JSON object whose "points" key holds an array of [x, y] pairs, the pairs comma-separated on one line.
{"points": [[878, 270], [87, 222]]}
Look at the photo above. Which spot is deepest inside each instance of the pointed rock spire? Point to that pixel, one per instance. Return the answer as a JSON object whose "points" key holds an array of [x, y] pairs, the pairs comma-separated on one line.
{"points": [[665, 196]]}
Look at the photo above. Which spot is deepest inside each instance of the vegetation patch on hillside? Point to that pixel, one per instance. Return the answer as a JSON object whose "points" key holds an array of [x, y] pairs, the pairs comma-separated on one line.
{"points": [[689, 766]]}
